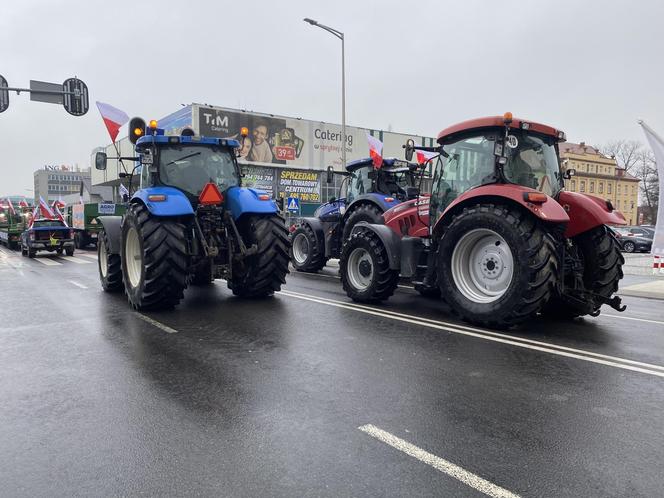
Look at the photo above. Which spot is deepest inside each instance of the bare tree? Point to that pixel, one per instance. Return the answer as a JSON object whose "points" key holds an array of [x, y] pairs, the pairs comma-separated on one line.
{"points": [[626, 152], [645, 169]]}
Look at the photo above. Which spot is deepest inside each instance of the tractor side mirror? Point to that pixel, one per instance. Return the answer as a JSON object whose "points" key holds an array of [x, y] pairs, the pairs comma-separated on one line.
{"points": [[330, 174], [100, 161], [412, 192], [410, 149], [569, 173]]}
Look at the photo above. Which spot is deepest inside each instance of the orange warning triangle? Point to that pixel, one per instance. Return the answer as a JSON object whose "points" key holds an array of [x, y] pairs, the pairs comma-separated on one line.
{"points": [[210, 195]]}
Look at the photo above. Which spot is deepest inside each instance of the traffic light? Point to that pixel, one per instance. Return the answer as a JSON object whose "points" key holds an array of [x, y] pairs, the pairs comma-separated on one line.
{"points": [[136, 129]]}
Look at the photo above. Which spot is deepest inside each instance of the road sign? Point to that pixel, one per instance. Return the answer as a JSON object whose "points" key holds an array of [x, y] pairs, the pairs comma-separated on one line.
{"points": [[293, 205], [76, 100], [42, 91], [4, 94]]}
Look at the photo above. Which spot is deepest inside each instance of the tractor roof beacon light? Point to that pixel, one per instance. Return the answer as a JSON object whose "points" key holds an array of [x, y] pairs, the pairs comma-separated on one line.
{"points": [[507, 118], [136, 129]]}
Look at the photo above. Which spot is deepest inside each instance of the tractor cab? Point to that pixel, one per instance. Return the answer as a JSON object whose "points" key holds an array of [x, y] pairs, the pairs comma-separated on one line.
{"points": [[496, 150], [393, 178], [188, 163]]}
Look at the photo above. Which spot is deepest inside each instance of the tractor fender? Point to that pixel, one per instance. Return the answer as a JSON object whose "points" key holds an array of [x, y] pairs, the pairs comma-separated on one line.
{"points": [[550, 211], [175, 203], [374, 198], [587, 212], [390, 240], [242, 200], [316, 225], [113, 228]]}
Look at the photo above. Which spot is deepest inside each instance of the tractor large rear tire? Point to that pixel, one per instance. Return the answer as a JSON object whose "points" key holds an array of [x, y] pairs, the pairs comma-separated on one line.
{"points": [[307, 253], [262, 274], [364, 212], [602, 271], [504, 269], [365, 269], [110, 266], [154, 259]]}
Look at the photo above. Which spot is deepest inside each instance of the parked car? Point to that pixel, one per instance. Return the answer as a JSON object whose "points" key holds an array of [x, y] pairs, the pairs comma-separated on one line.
{"points": [[643, 231], [47, 235], [630, 241]]}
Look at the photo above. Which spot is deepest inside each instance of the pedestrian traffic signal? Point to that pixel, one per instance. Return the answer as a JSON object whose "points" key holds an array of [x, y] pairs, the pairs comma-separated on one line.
{"points": [[136, 129]]}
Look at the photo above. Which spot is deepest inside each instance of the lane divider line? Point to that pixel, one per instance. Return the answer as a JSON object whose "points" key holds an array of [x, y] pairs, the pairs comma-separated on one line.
{"points": [[157, 324], [438, 463], [73, 282], [413, 289], [88, 255], [617, 363]]}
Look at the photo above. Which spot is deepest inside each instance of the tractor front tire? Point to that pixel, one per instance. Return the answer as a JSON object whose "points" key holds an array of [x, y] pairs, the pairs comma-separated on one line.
{"points": [[263, 273], [154, 259], [364, 212], [307, 253], [365, 269], [110, 266], [497, 266]]}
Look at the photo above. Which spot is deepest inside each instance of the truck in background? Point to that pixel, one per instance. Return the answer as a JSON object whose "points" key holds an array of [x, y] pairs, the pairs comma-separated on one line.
{"points": [[12, 225], [83, 218]]}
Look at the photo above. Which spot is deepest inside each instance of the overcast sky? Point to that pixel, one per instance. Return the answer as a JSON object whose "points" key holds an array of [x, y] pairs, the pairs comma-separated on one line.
{"points": [[591, 68]]}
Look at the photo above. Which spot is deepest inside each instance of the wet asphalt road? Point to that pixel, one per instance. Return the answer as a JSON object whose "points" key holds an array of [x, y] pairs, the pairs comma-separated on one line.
{"points": [[225, 397]]}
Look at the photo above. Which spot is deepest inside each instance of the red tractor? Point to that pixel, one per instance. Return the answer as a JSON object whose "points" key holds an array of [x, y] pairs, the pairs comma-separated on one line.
{"points": [[499, 239]]}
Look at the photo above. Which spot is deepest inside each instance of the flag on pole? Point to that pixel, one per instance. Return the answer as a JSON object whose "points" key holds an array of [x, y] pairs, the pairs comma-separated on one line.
{"points": [[11, 206], [423, 156], [58, 215], [23, 203], [33, 216], [113, 118], [375, 150], [657, 146], [123, 190], [46, 211]]}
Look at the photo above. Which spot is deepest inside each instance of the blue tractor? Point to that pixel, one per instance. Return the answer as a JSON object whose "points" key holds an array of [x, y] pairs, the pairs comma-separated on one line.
{"points": [[370, 190], [190, 222]]}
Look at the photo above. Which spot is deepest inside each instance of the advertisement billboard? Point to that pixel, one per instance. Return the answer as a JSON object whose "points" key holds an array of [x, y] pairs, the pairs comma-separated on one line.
{"points": [[300, 143]]}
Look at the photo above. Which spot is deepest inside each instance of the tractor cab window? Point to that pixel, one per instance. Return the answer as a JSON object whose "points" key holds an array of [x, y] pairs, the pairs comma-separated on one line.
{"points": [[359, 183], [191, 167], [395, 181], [532, 161], [470, 163]]}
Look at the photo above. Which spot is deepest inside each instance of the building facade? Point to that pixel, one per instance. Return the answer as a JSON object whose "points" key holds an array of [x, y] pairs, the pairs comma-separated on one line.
{"points": [[600, 176], [55, 182]]}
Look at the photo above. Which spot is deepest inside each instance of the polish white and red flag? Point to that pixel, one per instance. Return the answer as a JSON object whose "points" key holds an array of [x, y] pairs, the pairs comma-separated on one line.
{"points": [[113, 118], [44, 209], [23, 204], [58, 214], [11, 206], [423, 156], [375, 150]]}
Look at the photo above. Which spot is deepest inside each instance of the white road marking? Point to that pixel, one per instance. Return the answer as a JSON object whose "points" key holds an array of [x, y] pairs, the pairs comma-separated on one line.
{"points": [[74, 259], [73, 282], [589, 356], [645, 320], [632, 318], [47, 261], [440, 464], [157, 324], [90, 255]]}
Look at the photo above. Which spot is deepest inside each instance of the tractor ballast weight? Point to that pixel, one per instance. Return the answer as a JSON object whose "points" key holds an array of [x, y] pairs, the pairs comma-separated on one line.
{"points": [[190, 222], [498, 239], [370, 191]]}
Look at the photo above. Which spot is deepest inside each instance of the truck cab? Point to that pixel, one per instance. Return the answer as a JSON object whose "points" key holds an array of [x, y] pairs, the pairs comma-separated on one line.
{"points": [[47, 235]]}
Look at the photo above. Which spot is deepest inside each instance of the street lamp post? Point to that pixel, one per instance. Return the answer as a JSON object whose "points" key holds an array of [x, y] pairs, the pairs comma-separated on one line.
{"points": [[339, 35]]}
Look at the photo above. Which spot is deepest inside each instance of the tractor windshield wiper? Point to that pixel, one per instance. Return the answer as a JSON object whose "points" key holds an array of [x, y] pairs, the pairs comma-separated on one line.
{"points": [[183, 158]]}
